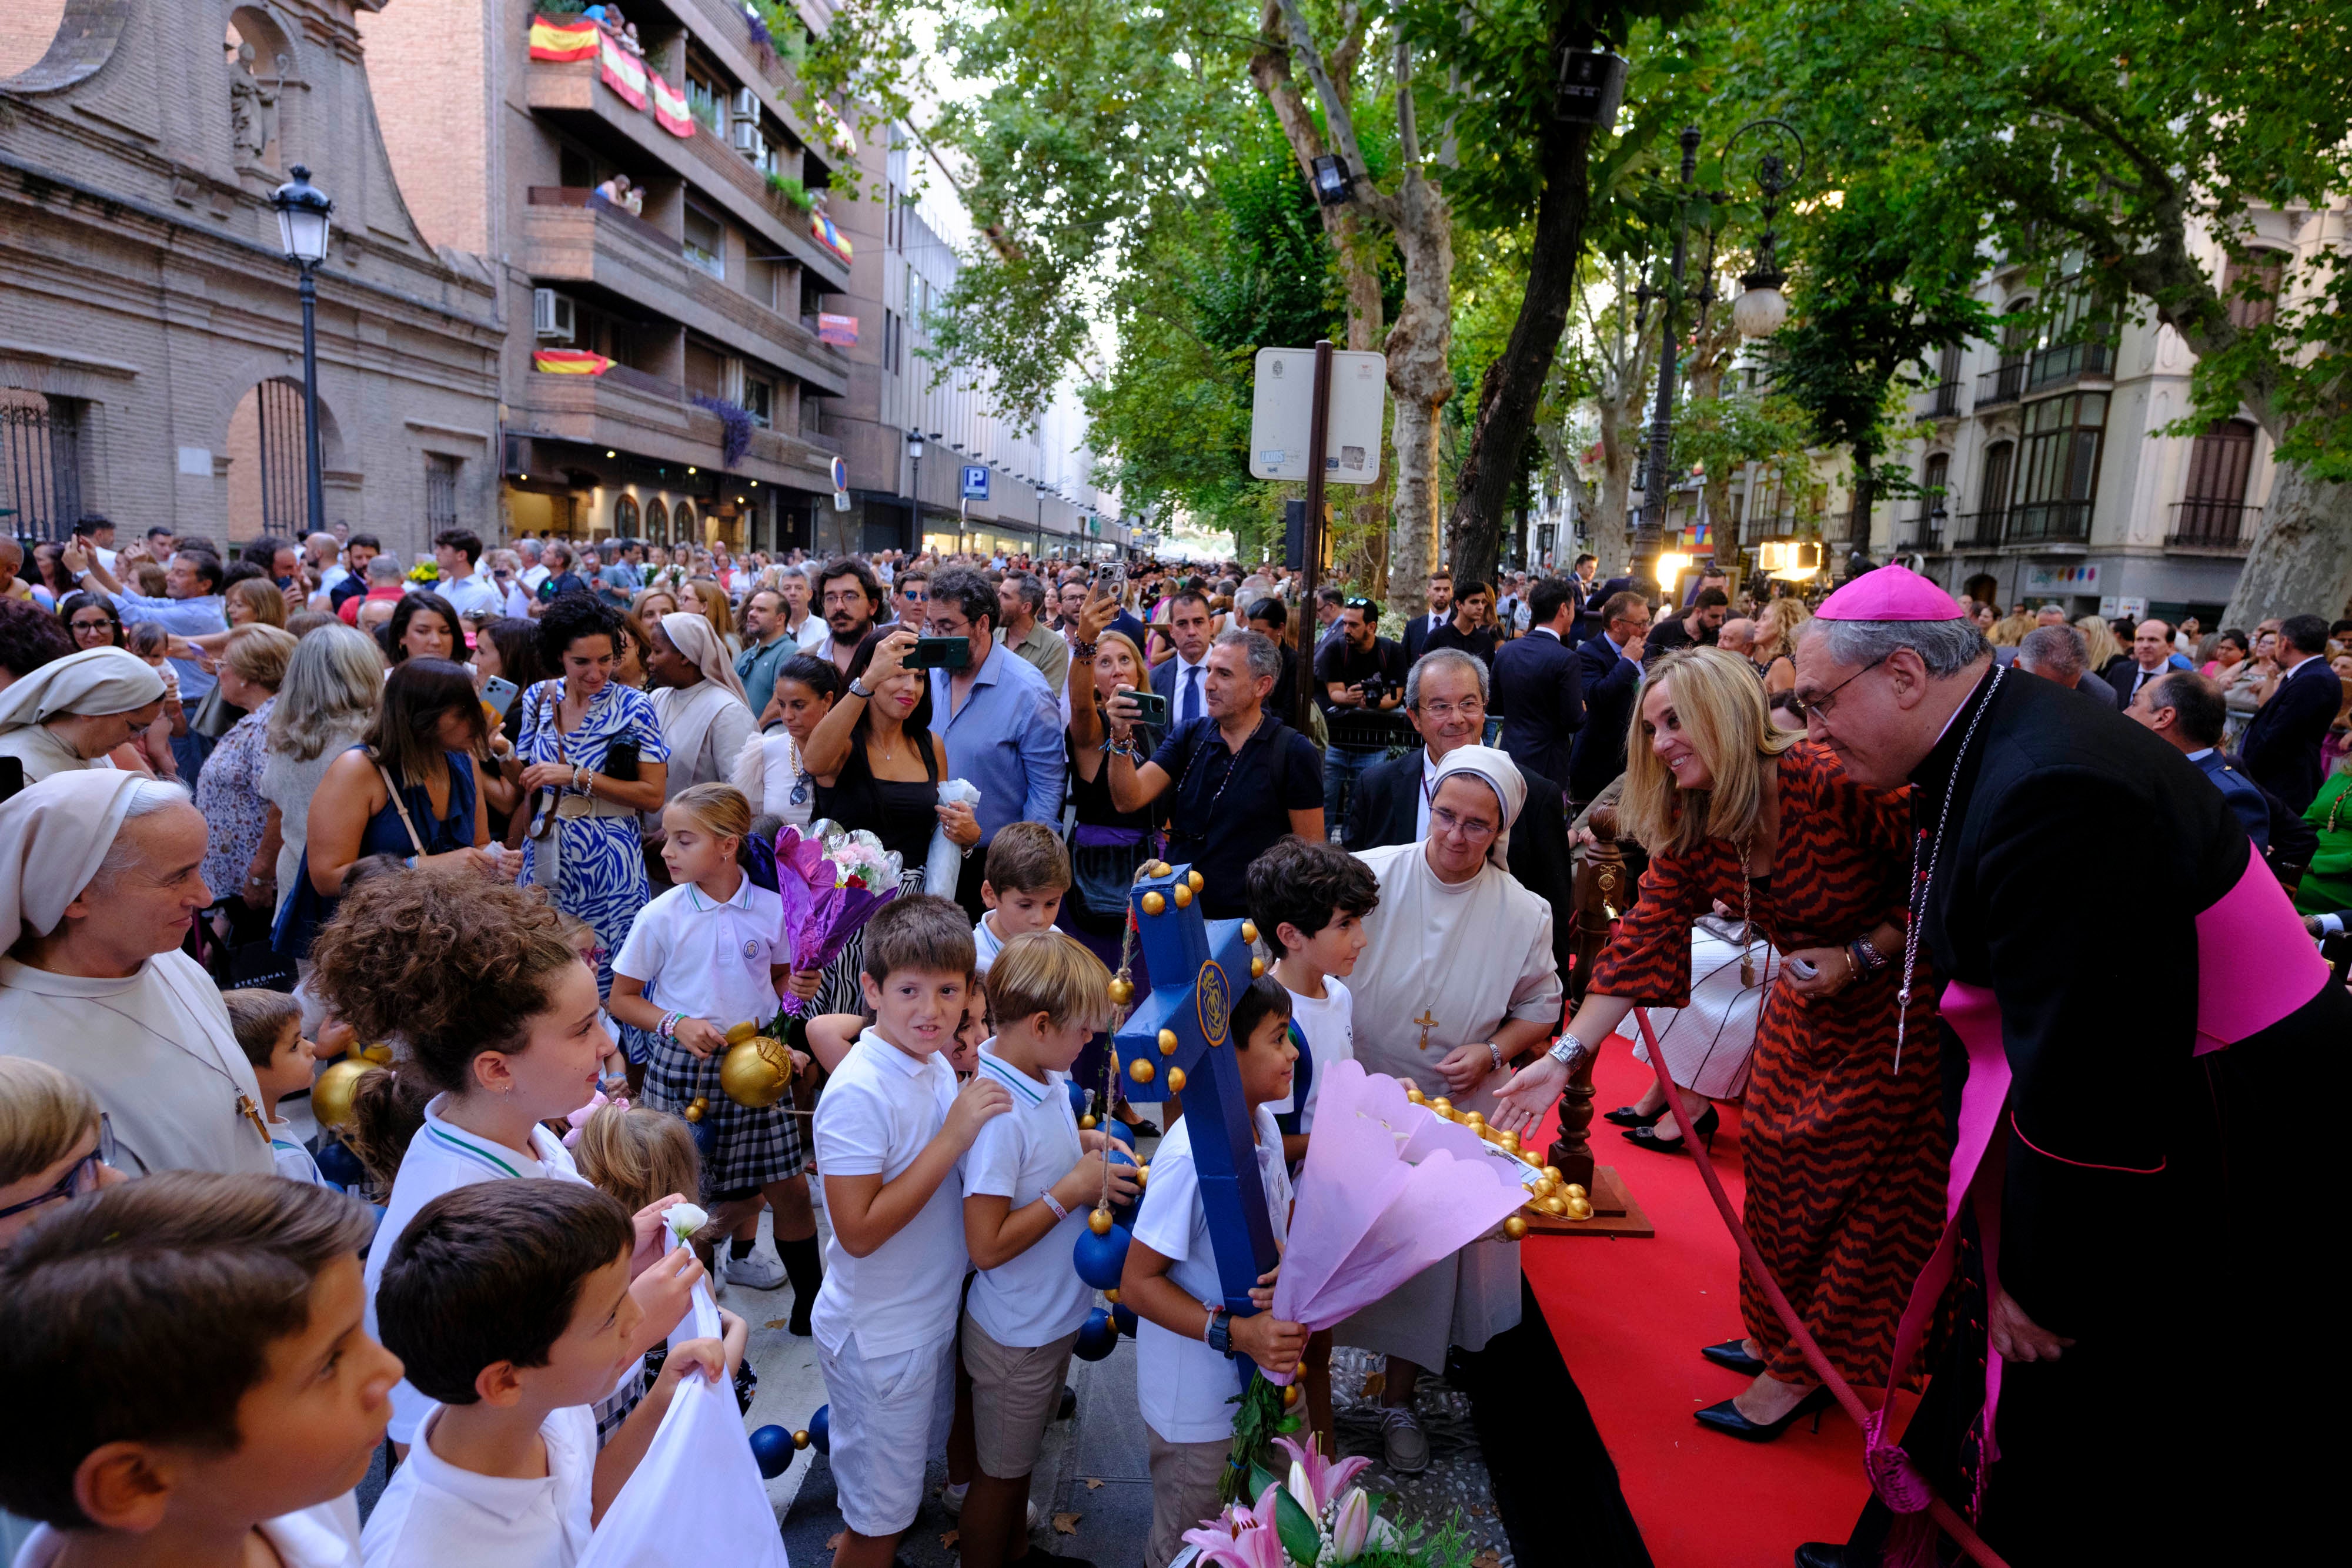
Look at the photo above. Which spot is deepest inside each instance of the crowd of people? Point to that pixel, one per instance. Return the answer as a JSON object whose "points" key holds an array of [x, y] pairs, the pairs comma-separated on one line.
{"points": [[508, 814]]}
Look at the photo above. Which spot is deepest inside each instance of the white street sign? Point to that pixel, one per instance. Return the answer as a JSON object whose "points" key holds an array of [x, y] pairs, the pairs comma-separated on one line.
{"points": [[1281, 415]]}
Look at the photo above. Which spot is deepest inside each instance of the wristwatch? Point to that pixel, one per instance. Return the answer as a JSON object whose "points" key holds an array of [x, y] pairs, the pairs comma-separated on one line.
{"points": [[1220, 1333], [1568, 1051], [860, 690]]}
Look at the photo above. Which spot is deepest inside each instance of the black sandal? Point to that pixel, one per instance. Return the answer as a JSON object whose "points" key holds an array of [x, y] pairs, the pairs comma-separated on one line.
{"points": [[1647, 1137]]}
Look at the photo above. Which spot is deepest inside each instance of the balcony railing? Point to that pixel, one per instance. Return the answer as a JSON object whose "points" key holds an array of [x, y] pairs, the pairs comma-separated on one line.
{"points": [[1920, 533], [1978, 530], [2049, 522], [2002, 383], [2220, 526], [1944, 400], [2071, 361], [638, 380], [619, 217]]}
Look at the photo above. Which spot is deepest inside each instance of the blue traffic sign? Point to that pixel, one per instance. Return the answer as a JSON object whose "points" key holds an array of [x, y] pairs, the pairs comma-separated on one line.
{"points": [[975, 481]]}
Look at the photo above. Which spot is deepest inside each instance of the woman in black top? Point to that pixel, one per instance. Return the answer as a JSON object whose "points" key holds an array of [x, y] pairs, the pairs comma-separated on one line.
{"points": [[877, 765]]}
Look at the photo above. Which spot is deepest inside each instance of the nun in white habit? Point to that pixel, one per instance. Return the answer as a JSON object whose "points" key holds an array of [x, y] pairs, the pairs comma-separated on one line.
{"points": [[99, 875], [65, 717], [1458, 942], [700, 700]]}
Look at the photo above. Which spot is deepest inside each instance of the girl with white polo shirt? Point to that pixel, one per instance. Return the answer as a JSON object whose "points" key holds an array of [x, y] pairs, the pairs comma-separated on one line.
{"points": [[704, 956]]}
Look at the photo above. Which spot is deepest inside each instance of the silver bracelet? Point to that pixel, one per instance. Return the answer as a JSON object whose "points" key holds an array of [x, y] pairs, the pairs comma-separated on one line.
{"points": [[1568, 1051], [1496, 1053]]}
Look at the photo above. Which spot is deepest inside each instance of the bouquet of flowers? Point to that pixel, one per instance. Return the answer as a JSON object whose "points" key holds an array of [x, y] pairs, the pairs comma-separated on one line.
{"points": [[831, 881], [1312, 1517], [424, 571]]}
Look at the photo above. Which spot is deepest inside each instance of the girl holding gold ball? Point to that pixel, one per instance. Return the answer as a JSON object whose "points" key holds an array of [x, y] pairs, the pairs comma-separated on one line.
{"points": [[705, 957]]}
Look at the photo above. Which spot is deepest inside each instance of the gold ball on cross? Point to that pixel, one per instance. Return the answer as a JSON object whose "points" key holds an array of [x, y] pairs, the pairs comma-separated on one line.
{"points": [[1573, 1190], [1167, 1042], [1175, 1081], [801, 1439], [1416, 1096], [693, 1113], [1183, 894], [1122, 991], [1100, 1221], [1153, 903], [1142, 1174], [1142, 1070], [1515, 1229], [1111, 1296], [1555, 1204], [1195, 878], [1289, 1395], [1257, 968], [1157, 868], [1509, 1142], [1577, 1208], [1552, 1171], [1442, 1106], [1249, 930], [1085, 1124], [1473, 1120]]}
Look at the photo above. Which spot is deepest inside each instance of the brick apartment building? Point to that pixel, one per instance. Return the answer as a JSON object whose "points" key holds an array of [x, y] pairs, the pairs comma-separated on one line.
{"points": [[150, 334]]}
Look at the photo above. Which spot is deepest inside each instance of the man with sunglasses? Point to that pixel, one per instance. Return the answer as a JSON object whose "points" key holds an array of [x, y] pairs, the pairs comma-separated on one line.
{"points": [[2128, 1125]]}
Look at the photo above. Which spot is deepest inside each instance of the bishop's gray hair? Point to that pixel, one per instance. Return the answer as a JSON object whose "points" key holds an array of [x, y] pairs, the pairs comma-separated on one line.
{"points": [[1946, 647], [148, 797], [1264, 659], [1443, 659]]}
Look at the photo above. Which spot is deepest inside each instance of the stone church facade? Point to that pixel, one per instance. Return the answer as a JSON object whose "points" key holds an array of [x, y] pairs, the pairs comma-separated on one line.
{"points": [[151, 337]]}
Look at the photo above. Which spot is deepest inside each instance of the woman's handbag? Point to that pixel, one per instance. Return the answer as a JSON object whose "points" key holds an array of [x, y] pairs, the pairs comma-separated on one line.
{"points": [[1103, 863]]}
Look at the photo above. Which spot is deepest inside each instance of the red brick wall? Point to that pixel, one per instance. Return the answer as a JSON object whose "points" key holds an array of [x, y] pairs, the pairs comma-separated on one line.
{"points": [[26, 28], [428, 70]]}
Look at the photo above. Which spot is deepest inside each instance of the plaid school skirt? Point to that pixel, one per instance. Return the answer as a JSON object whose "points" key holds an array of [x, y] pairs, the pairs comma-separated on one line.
{"points": [[741, 1148]]}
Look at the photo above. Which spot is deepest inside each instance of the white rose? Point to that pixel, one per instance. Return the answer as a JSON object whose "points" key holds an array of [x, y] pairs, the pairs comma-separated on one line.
{"points": [[684, 1219]]}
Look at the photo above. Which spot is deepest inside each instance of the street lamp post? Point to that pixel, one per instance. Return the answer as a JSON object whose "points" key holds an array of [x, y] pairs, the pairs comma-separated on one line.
{"points": [[305, 217], [915, 488], [1759, 311]]}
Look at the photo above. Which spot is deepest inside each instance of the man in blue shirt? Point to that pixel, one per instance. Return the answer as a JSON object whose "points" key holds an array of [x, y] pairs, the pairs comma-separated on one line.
{"points": [[621, 579], [192, 607], [998, 719]]}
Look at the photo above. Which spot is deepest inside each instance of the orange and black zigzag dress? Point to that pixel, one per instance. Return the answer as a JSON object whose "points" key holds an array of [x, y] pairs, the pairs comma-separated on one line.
{"points": [[1844, 1156]]}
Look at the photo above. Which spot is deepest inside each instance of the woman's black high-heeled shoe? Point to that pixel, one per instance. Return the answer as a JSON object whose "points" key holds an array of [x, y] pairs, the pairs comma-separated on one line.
{"points": [[1647, 1137], [1733, 1353], [1725, 1418], [1626, 1116]]}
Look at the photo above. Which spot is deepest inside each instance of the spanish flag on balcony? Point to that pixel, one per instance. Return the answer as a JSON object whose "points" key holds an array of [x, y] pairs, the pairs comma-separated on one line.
{"points": [[670, 111], [569, 362], [563, 37], [821, 229], [623, 72]]}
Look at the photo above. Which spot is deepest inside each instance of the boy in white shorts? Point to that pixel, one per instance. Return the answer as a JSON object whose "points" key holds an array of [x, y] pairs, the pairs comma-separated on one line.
{"points": [[1029, 1182], [889, 1132]]}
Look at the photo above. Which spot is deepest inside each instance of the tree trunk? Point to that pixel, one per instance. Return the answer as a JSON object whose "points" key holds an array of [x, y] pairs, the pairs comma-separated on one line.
{"points": [[2301, 562], [1513, 383]]}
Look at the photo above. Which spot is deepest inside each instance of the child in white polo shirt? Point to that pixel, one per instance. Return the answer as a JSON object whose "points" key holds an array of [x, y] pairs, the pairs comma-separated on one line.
{"points": [[1184, 1378], [1029, 1182], [1027, 877], [508, 1304], [704, 956], [889, 1132]]}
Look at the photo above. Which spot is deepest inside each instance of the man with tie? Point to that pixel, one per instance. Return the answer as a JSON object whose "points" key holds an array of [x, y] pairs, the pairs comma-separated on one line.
{"points": [[1540, 686], [2185, 712], [1179, 679], [2152, 655], [2281, 746], [1441, 611], [1611, 669]]}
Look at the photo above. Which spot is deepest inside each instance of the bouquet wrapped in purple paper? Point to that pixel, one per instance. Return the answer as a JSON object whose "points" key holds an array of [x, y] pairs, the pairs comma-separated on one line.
{"points": [[831, 881]]}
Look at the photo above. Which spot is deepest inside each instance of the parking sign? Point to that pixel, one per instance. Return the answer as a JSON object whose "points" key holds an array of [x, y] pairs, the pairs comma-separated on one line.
{"points": [[975, 481]]}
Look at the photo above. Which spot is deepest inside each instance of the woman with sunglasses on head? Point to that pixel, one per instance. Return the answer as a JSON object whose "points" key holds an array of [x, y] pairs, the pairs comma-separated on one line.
{"points": [[1842, 1138]]}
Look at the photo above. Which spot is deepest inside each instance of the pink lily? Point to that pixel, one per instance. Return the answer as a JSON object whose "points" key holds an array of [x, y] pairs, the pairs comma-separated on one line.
{"points": [[1242, 1538], [1352, 1528], [1316, 1481]]}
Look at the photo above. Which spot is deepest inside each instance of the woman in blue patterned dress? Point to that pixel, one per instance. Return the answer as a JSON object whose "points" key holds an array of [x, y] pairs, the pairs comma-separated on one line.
{"points": [[582, 789]]}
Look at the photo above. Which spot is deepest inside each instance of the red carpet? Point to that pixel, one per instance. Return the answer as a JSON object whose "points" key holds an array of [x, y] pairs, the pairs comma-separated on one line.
{"points": [[1630, 1317]]}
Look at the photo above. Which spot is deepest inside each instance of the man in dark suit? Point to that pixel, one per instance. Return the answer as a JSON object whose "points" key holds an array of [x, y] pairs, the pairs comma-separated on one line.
{"points": [[1538, 683], [1445, 698], [2185, 712], [2152, 655], [2057, 654], [1610, 669], [1182, 679], [1441, 611], [2281, 746]]}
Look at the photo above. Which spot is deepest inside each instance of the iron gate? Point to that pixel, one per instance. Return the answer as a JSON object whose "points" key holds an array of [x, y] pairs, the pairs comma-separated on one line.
{"points": [[285, 461], [40, 466]]}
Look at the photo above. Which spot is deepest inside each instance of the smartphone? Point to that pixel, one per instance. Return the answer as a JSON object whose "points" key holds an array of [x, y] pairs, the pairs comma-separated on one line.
{"points": [[1151, 708], [940, 654], [499, 694]]}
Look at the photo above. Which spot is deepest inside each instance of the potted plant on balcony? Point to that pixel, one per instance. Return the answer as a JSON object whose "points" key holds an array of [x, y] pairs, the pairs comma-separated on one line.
{"points": [[736, 420], [789, 188]]}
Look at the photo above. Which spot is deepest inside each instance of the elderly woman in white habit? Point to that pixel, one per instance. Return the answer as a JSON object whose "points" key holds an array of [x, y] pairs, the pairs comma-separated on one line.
{"points": [[699, 698], [1456, 982], [68, 715], [100, 876]]}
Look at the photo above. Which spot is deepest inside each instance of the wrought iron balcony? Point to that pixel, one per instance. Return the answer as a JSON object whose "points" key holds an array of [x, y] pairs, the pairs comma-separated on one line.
{"points": [[2069, 361], [1978, 530], [2049, 522], [2224, 526], [1924, 532], [2002, 383], [1943, 400]]}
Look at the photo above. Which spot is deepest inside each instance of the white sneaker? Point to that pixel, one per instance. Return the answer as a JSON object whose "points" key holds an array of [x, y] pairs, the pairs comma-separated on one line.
{"points": [[758, 1270]]}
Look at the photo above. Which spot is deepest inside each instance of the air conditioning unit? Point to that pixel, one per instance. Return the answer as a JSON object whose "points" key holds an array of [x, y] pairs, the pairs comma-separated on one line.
{"points": [[550, 315], [745, 136], [746, 105]]}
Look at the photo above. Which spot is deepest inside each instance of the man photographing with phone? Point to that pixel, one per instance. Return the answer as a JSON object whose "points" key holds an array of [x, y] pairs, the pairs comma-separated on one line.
{"points": [[996, 715], [1242, 778]]}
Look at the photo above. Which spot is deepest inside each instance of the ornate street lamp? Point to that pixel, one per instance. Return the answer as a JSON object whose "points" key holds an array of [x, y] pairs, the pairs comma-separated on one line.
{"points": [[305, 217], [1762, 308], [915, 487]]}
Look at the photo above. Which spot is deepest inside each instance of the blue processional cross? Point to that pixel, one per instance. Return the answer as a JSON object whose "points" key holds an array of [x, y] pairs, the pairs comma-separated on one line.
{"points": [[1197, 967]]}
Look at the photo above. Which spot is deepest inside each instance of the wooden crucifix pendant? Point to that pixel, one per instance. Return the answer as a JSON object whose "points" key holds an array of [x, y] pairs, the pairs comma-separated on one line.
{"points": [[1427, 1022]]}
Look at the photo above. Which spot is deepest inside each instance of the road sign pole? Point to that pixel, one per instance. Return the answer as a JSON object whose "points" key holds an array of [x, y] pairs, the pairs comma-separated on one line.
{"points": [[1319, 432]]}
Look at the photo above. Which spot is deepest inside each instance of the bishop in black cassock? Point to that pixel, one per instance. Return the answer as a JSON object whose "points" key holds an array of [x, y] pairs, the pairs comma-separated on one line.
{"points": [[2152, 1204]]}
